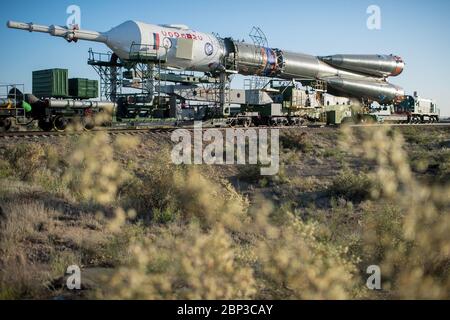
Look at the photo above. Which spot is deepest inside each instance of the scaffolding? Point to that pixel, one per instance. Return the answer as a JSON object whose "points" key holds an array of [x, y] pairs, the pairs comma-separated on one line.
{"points": [[144, 72], [260, 42], [110, 70], [11, 97], [147, 64]]}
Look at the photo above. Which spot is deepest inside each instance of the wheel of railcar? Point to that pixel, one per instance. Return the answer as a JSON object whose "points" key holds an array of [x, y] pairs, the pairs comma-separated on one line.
{"points": [[247, 123], [294, 122], [5, 124], [88, 123], [274, 123], [45, 125], [60, 123]]}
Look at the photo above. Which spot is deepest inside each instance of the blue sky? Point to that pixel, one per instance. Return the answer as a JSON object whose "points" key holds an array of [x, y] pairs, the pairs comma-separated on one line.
{"points": [[419, 31]]}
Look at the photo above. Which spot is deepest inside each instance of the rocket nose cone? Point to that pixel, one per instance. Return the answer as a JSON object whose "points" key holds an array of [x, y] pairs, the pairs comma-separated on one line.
{"points": [[399, 66], [398, 69], [126, 37]]}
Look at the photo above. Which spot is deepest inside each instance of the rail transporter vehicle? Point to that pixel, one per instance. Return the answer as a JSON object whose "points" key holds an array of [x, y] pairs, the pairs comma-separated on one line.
{"points": [[181, 74]]}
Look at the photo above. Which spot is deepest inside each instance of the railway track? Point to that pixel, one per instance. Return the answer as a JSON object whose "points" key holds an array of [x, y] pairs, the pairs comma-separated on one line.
{"points": [[41, 135], [25, 135], [440, 124]]}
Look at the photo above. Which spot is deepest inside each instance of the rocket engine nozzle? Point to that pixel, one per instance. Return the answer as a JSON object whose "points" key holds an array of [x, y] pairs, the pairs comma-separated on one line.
{"points": [[58, 31]]}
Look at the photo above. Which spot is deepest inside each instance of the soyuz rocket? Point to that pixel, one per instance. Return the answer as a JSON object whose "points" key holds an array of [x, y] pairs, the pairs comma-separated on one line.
{"points": [[349, 75]]}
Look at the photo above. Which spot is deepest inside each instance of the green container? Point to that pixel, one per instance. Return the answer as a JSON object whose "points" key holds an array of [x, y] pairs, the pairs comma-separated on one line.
{"points": [[51, 83], [83, 88]]}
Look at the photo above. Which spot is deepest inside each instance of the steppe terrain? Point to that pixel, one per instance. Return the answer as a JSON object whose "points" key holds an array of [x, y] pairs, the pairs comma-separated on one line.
{"points": [[141, 227]]}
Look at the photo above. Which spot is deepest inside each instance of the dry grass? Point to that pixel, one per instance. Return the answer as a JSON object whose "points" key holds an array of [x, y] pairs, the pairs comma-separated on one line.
{"points": [[167, 232]]}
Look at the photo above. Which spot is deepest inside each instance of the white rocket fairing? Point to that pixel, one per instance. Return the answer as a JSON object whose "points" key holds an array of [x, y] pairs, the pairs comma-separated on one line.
{"points": [[360, 76]]}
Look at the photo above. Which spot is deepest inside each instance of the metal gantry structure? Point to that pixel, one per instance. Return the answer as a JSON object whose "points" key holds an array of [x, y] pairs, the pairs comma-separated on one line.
{"points": [[148, 66], [260, 41], [145, 73], [10, 96], [110, 70]]}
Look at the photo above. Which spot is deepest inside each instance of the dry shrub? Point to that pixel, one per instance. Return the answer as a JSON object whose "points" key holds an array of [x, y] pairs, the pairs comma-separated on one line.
{"points": [[351, 186], [296, 141], [19, 278], [25, 159], [209, 202], [413, 241], [5, 169], [37, 244], [151, 191], [294, 263], [163, 193], [304, 184], [210, 243], [40, 164], [382, 227], [290, 258], [249, 173], [61, 260], [223, 250], [21, 223], [183, 263], [93, 174]]}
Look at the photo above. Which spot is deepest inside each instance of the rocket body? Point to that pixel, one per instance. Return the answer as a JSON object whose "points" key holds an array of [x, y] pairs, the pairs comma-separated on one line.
{"points": [[180, 46], [356, 76]]}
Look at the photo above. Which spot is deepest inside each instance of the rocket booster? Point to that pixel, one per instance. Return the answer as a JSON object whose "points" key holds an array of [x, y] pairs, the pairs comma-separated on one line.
{"points": [[373, 65], [360, 76]]}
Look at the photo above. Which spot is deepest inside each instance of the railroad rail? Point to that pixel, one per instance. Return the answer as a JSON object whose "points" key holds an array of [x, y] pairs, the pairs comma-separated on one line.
{"points": [[32, 135], [27, 135]]}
